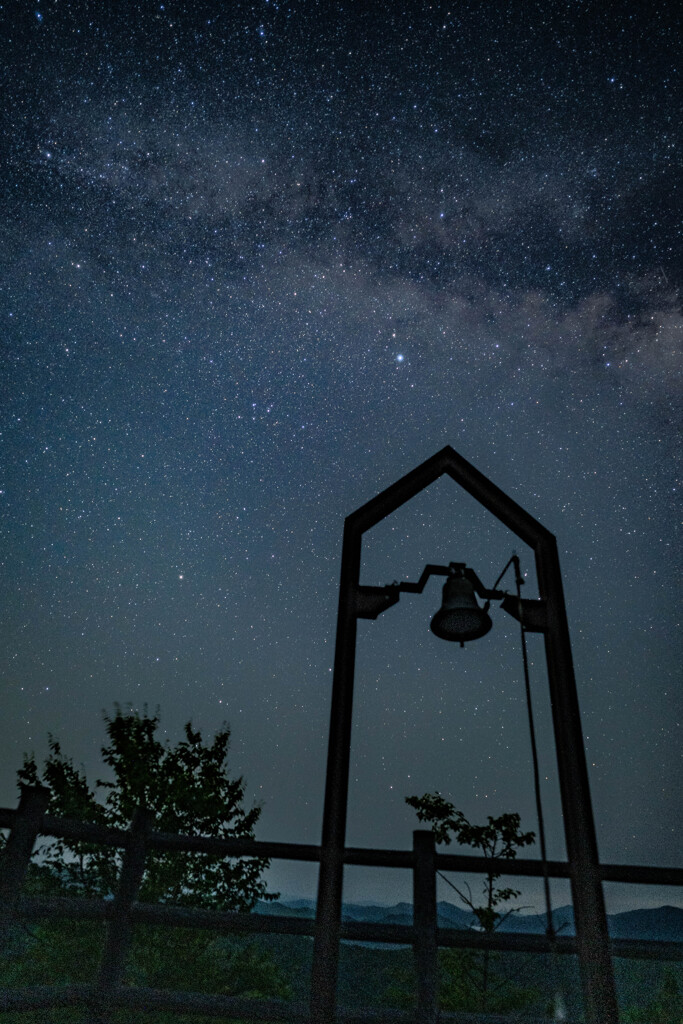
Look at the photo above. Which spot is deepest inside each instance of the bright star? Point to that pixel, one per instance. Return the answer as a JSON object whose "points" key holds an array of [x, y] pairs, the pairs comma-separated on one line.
{"points": [[399, 358]]}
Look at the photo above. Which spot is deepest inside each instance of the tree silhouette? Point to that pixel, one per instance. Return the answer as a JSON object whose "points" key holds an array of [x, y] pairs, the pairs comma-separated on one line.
{"points": [[188, 790], [498, 840]]}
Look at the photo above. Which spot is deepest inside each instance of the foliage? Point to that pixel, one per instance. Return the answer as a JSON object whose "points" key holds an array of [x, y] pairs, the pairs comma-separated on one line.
{"points": [[500, 839], [665, 1008], [384, 976], [193, 960], [468, 983], [64, 953], [187, 789], [54, 953], [459, 986]]}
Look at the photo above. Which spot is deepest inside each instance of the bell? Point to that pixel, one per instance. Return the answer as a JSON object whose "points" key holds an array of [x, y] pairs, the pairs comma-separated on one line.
{"points": [[460, 618]]}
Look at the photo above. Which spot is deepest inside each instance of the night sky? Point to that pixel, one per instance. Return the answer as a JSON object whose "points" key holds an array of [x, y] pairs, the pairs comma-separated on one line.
{"points": [[259, 261]]}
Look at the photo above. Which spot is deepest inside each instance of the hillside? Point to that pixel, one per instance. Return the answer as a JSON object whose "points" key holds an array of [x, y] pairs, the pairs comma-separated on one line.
{"points": [[664, 924]]}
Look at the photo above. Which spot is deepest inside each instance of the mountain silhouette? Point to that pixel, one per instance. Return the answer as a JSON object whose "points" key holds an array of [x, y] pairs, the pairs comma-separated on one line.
{"points": [[663, 924]]}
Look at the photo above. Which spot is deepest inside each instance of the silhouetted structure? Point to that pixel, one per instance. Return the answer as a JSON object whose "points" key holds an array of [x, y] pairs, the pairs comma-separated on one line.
{"points": [[356, 601], [108, 992], [586, 874]]}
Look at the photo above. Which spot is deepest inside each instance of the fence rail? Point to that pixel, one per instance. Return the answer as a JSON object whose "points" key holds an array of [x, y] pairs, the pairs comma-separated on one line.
{"points": [[80, 831], [29, 821], [74, 908]]}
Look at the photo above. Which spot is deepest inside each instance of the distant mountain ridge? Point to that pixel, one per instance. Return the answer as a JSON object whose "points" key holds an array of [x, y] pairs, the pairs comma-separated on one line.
{"points": [[663, 924]]}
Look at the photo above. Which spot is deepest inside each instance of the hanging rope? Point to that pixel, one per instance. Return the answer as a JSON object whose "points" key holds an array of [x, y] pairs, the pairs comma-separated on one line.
{"points": [[559, 1010], [550, 928]]}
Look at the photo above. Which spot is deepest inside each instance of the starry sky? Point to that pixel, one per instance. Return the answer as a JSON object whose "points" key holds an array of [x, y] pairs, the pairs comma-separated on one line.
{"points": [[261, 259]]}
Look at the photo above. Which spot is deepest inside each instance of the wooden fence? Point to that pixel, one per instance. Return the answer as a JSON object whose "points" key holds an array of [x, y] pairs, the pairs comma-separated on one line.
{"points": [[29, 821]]}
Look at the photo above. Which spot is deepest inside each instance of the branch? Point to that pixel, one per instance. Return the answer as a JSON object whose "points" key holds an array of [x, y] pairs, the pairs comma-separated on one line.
{"points": [[512, 910], [468, 902]]}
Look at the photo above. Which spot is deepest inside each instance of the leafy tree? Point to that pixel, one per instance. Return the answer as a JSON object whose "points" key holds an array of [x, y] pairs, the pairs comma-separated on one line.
{"points": [[499, 839], [187, 789], [467, 981]]}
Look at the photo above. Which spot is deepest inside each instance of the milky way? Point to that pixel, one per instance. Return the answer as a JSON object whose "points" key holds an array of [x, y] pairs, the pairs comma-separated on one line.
{"points": [[260, 260]]}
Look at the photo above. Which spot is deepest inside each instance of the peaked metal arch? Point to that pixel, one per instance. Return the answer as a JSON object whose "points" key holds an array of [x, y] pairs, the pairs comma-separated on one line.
{"points": [[470, 479], [587, 896]]}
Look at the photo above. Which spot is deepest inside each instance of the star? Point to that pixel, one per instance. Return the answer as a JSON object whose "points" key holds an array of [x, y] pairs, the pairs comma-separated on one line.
{"points": [[256, 228]]}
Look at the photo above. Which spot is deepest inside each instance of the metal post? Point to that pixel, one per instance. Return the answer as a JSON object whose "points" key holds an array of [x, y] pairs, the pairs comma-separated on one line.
{"points": [[592, 939], [424, 926], [330, 879]]}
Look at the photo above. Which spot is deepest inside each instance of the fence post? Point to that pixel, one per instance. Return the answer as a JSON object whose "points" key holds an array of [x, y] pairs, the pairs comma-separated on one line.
{"points": [[424, 926], [17, 853], [119, 927]]}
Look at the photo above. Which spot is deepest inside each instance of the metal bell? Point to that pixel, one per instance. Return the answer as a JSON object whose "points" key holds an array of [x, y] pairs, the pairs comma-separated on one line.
{"points": [[460, 618]]}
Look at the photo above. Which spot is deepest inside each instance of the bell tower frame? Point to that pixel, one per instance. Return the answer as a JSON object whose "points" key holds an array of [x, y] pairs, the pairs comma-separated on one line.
{"points": [[356, 601]]}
